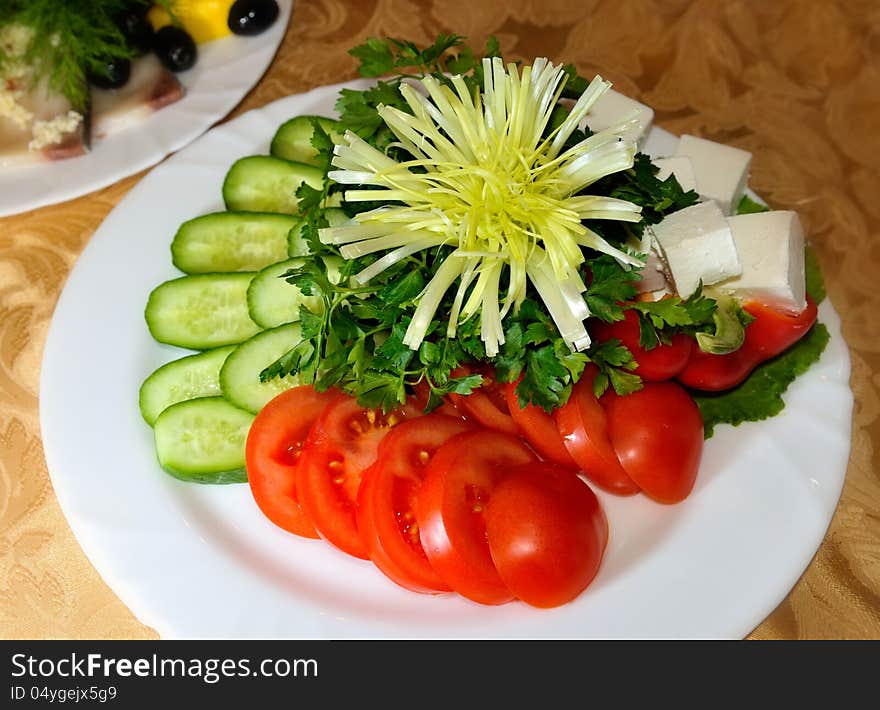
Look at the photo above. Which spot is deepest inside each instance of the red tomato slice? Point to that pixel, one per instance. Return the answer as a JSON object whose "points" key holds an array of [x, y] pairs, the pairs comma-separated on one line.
{"points": [[657, 433], [421, 394], [487, 406], [539, 430], [774, 331], [546, 532], [387, 499], [449, 510], [583, 425], [273, 451], [662, 362], [340, 447]]}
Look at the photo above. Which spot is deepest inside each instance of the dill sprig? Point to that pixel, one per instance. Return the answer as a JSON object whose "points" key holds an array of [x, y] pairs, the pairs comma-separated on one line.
{"points": [[71, 39]]}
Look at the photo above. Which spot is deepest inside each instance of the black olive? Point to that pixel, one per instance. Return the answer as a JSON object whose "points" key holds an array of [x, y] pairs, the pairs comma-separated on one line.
{"points": [[250, 17], [175, 48], [136, 29], [113, 75]]}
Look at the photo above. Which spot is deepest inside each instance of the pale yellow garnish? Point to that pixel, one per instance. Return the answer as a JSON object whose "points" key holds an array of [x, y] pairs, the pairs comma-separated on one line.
{"points": [[205, 20], [485, 181]]}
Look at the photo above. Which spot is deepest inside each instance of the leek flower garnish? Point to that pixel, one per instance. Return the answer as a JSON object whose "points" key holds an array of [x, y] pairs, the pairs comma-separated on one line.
{"points": [[484, 180]]}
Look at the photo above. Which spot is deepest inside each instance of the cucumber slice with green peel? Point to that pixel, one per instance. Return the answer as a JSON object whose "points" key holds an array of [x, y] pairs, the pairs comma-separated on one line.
{"points": [[202, 440], [201, 312], [240, 374], [187, 378], [296, 243], [261, 183], [272, 301], [293, 139], [231, 241]]}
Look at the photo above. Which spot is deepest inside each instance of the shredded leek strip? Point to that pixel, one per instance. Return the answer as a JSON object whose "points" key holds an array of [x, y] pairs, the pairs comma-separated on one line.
{"points": [[430, 298], [392, 257], [485, 180]]}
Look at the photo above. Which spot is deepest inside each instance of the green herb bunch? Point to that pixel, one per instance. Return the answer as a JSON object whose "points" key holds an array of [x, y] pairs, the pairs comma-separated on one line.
{"points": [[356, 341]]}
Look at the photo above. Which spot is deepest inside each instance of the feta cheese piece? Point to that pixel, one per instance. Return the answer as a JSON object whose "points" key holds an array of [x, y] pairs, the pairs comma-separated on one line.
{"points": [[721, 171], [771, 250], [698, 246], [680, 166], [613, 107]]}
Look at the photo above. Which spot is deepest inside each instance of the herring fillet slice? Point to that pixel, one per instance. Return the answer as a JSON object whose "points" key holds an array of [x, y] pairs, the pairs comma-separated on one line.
{"points": [[45, 105], [150, 88]]}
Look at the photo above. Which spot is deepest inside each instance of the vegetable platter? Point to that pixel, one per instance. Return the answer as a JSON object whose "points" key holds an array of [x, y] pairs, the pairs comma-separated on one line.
{"points": [[707, 550]]}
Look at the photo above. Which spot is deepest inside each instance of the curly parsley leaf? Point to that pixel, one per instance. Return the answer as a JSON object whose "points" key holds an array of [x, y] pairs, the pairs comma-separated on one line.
{"points": [[610, 285], [659, 320], [375, 55], [656, 197], [615, 363]]}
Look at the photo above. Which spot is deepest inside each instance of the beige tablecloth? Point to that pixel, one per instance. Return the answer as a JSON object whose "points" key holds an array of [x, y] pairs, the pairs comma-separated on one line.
{"points": [[795, 82]]}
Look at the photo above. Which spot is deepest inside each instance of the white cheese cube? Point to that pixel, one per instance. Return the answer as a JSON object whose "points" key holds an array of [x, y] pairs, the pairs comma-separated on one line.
{"points": [[771, 250], [612, 107], [680, 166], [721, 171], [698, 246]]}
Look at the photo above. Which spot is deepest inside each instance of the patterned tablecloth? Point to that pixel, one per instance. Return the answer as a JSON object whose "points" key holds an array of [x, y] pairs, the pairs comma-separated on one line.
{"points": [[795, 82]]}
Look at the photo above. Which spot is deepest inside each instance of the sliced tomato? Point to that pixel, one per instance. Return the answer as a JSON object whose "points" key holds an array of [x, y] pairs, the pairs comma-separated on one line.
{"points": [[546, 532], [449, 510], [387, 498], [657, 433], [341, 445], [583, 425], [539, 429], [272, 455], [486, 406], [662, 362], [421, 395]]}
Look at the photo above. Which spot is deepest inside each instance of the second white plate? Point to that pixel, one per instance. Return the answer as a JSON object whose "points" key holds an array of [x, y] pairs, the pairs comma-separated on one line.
{"points": [[226, 70]]}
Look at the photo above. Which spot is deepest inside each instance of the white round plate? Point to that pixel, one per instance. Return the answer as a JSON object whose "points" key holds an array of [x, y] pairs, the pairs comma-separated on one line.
{"points": [[226, 70], [202, 561]]}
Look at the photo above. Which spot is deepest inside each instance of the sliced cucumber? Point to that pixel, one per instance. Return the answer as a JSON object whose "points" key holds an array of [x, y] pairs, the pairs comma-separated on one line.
{"points": [[231, 241], [240, 374], [293, 139], [203, 440], [272, 301], [201, 312], [296, 243], [177, 381], [261, 183]]}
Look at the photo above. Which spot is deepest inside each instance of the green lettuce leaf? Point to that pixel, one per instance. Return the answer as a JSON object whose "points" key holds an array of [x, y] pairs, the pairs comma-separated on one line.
{"points": [[760, 396]]}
